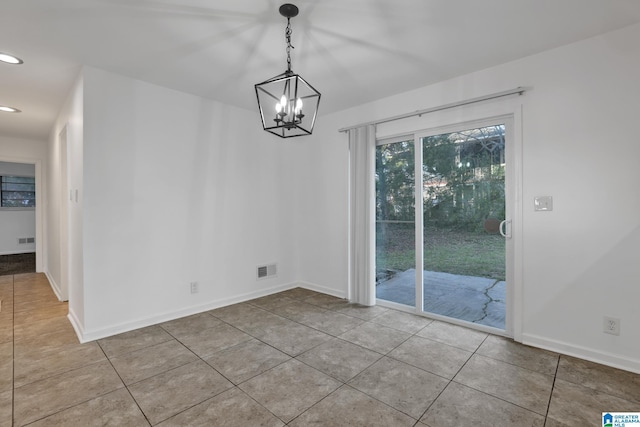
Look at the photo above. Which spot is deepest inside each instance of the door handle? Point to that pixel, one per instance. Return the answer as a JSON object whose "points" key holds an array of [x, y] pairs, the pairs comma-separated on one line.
{"points": [[503, 229]]}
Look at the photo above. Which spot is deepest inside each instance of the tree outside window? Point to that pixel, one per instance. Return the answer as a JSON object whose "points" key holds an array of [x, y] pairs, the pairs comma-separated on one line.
{"points": [[17, 192]]}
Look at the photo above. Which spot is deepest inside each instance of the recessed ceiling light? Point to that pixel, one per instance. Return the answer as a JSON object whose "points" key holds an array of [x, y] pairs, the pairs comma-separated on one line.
{"points": [[9, 109], [10, 59]]}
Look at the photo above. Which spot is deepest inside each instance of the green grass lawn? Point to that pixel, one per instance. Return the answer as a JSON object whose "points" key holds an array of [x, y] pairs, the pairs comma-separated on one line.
{"points": [[458, 252]]}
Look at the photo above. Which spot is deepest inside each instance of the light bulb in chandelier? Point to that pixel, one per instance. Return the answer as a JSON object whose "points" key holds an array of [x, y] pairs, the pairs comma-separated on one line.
{"points": [[298, 110], [281, 107]]}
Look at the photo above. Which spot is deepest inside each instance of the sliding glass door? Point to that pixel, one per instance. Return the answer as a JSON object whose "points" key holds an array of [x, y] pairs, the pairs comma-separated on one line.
{"points": [[395, 222], [448, 256], [463, 207]]}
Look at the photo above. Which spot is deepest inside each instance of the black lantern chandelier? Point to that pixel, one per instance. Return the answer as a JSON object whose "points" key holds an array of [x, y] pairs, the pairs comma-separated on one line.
{"points": [[288, 104]]}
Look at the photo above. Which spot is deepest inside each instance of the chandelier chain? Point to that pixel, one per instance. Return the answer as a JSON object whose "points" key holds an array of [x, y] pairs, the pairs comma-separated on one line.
{"points": [[287, 34]]}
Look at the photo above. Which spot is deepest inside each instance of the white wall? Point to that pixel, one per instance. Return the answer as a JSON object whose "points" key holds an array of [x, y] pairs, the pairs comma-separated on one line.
{"points": [[176, 189], [64, 214], [17, 169], [580, 145], [14, 224]]}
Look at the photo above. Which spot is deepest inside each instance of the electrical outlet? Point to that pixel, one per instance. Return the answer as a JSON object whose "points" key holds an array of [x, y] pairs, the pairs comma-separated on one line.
{"points": [[611, 325], [194, 287]]}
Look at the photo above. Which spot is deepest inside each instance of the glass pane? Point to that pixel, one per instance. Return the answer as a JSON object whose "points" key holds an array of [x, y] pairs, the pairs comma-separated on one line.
{"points": [[395, 222], [17, 195], [18, 187], [19, 179], [19, 203], [18, 191], [464, 203]]}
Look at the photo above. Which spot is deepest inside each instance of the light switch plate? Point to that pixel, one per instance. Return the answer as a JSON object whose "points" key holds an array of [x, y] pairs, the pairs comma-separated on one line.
{"points": [[543, 203]]}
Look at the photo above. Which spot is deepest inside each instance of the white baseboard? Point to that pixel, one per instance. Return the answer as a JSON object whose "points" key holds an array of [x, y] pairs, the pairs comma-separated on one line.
{"points": [[321, 289], [77, 325], [615, 361], [603, 358], [19, 251], [56, 288], [92, 335]]}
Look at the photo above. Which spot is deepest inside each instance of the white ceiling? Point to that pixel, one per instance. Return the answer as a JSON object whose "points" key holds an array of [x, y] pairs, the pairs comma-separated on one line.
{"points": [[352, 51]]}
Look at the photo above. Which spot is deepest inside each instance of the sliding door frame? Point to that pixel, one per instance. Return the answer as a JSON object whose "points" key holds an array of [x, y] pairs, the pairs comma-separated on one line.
{"points": [[512, 118]]}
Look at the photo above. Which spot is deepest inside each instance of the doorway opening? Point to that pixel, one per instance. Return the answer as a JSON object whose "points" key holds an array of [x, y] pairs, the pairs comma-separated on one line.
{"points": [[17, 218]]}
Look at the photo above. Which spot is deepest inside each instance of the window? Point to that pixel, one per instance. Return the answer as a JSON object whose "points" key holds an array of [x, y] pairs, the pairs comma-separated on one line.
{"points": [[18, 192]]}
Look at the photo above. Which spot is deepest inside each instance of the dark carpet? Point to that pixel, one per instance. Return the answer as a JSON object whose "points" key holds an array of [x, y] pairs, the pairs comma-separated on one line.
{"points": [[17, 263]]}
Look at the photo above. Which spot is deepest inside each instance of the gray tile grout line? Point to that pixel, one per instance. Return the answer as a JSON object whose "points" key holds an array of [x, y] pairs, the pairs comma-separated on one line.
{"points": [[185, 346], [123, 383], [508, 363], [553, 387], [371, 320], [81, 402], [13, 342], [383, 355], [273, 367], [346, 383], [173, 338], [519, 367], [343, 383], [234, 385], [450, 380], [13, 388]]}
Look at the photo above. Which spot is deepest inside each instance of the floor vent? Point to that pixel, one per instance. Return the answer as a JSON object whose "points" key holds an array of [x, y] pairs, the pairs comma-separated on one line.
{"points": [[266, 271], [26, 240]]}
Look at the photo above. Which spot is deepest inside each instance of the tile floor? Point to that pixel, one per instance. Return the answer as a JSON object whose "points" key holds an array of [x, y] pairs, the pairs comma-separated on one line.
{"points": [[298, 358]]}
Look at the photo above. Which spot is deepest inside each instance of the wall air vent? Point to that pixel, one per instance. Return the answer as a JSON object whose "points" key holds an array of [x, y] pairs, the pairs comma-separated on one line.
{"points": [[266, 271], [26, 240]]}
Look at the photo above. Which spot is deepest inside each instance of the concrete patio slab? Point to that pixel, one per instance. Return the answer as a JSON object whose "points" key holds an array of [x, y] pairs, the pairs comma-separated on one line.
{"points": [[473, 299]]}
